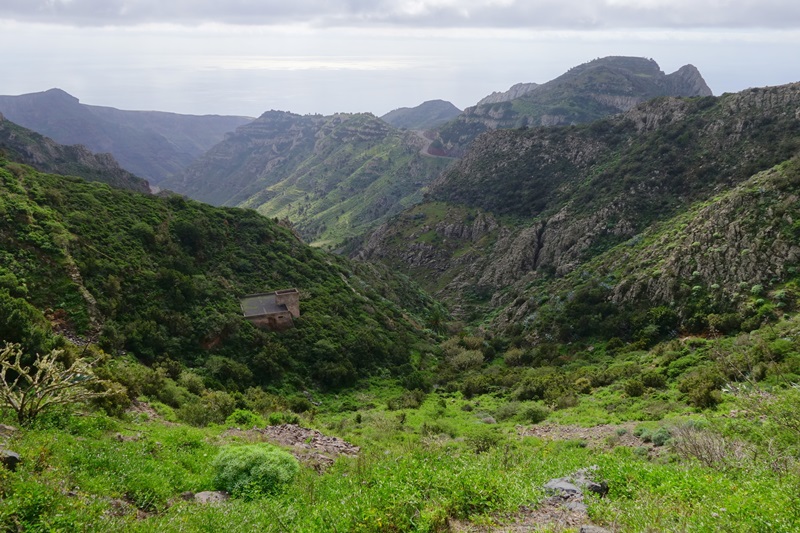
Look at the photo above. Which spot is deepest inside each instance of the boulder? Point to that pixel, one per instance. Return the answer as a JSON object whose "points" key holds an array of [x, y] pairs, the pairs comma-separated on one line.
{"points": [[211, 497], [9, 459]]}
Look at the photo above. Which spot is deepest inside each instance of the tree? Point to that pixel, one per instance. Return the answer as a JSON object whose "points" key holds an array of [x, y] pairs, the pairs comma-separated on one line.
{"points": [[47, 382]]}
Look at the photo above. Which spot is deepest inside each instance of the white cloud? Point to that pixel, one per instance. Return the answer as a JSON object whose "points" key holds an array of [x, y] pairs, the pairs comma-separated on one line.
{"points": [[561, 14]]}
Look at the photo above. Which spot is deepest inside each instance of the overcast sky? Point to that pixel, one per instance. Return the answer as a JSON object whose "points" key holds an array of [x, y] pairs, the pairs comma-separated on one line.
{"points": [[322, 56]]}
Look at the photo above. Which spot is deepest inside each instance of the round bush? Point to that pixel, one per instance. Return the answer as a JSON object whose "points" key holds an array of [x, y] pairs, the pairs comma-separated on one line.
{"points": [[244, 418], [535, 413], [253, 470]]}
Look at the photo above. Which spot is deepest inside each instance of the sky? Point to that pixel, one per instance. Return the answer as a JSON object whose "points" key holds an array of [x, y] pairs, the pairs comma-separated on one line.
{"points": [[244, 57]]}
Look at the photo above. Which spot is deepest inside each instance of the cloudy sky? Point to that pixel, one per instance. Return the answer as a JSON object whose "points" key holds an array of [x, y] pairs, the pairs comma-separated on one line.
{"points": [[323, 56]]}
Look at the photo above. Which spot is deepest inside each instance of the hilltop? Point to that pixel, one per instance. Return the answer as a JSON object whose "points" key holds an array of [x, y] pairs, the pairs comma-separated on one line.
{"points": [[427, 115]]}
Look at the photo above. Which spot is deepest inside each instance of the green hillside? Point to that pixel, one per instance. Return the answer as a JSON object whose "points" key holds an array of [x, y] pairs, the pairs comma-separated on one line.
{"points": [[160, 279], [525, 207], [333, 177]]}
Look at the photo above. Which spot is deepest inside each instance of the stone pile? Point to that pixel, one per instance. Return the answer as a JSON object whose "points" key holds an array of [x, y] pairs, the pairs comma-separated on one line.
{"points": [[309, 439]]}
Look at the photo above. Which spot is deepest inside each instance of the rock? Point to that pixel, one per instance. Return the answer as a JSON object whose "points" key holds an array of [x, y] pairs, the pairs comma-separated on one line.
{"points": [[578, 507], [4, 429], [9, 459], [593, 529], [561, 485], [211, 497], [187, 496]]}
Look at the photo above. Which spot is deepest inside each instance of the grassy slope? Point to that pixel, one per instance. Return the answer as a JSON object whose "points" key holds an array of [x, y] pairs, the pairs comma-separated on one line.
{"points": [[333, 177], [424, 464]]}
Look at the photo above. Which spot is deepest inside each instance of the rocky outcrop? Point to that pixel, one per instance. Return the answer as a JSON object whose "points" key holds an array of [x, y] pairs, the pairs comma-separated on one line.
{"points": [[687, 81], [516, 91], [9, 459]]}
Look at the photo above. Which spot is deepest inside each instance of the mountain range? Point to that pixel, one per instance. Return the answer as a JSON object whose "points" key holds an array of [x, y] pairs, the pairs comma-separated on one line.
{"points": [[334, 177], [151, 144], [338, 177], [584, 93], [527, 212], [28, 147]]}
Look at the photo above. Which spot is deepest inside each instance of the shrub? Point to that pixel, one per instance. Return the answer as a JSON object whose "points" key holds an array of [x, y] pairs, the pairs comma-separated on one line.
{"points": [[466, 359], [483, 439], [475, 386], [299, 404], [535, 413], [702, 387], [516, 357], [653, 379], [583, 385], [660, 436], [507, 410], [407, 400], [253, 470], [28, 392], [244, 418], [634, 388], [278, 418]]}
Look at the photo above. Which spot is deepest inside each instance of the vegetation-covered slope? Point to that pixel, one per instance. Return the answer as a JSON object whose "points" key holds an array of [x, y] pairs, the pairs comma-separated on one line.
{"points": [[425, 116], [585, 93], [151, 144], [333, 177], [28, 147], [160, 279], [528, 205]]}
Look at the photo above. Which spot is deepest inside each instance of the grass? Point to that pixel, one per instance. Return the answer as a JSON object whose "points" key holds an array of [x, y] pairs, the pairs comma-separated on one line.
{"points": [[429, 458]]}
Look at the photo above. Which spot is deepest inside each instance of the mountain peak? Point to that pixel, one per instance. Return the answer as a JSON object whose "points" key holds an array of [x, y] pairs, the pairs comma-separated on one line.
{"points": [[57, 94], [687, 81], [429, 114]]}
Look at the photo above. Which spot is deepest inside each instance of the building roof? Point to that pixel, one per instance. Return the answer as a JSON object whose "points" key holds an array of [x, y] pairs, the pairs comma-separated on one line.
{"points": [[261, 304]]}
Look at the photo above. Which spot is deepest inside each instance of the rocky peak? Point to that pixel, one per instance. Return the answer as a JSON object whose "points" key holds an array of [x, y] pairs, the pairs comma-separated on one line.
{"points": [[514, 92], [687, 81]]}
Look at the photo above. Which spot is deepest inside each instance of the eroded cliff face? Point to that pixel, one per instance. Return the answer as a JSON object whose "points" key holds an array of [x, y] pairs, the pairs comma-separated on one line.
{"points": [[525, 208]]}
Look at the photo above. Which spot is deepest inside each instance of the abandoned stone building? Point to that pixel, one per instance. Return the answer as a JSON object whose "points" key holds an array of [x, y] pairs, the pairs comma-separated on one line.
{"points": [[274, 311]]}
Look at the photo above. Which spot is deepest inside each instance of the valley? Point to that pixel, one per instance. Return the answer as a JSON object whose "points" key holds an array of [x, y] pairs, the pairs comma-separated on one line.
{"points": [[572, 307]]}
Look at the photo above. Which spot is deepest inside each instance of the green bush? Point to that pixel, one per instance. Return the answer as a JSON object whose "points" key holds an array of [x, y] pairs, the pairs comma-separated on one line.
{"points": [[278, 418], [507, 411], [244, 418], [253, 470], [634, 388], [702, 386], [535, 413], [482, 439], [407, 400]]}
